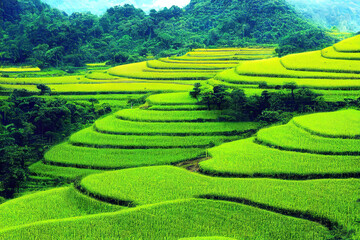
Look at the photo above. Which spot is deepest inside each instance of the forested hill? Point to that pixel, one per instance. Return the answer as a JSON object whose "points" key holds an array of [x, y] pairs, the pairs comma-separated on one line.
{"points": [[34, 33], [345, 15]]}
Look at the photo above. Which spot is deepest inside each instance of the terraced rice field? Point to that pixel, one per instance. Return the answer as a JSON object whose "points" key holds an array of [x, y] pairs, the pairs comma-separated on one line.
{"points": [[294, 181], [335, 67], [140, 137]]}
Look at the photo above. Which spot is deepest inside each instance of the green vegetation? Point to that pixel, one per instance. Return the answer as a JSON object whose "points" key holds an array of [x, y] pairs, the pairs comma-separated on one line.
{"points": [[116, 126], [246, 158], [198, 217], [348, 45], [165, 116], [89, 137], [102, 158], [137, 71], [58, 203], [334, 202], [172, 99], [37, 35], [281, 153], [326, 69], [347, 124], [57, 172]]}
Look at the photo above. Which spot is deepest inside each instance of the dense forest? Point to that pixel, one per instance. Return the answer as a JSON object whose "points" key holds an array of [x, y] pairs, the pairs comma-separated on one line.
{"points": [[34, 33], [344, 15]]}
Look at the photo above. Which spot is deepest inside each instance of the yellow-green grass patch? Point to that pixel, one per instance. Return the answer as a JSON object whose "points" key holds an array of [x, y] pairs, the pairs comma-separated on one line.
{"points": [[340, 124], [207, 62], [46, 80], [121, 87], [274, 68], [166, 116], [89, 137], [330, 52], [207, 238], [114, 125], [136, 70], [247, 158], [19, 69], [193, 217], [106, 158], [183, 66], [183, 98], [100, 75], [96, 96], [313, 61], [225, 58], [253, 49], [338, 95], [58, 203], [332, 199], [290, 137], [67, 173], [96, 64], [10, 87], [232, 77], [349, 45], [177, 107]]}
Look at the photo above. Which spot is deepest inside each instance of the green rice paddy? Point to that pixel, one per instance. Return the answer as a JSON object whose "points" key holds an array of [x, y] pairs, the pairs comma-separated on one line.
{"points": [[294, 181]]}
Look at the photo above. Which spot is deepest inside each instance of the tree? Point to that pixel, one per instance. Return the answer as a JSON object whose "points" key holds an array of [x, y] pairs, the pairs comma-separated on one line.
{"points": [[196, 90], [291, 86], [44, 90]]}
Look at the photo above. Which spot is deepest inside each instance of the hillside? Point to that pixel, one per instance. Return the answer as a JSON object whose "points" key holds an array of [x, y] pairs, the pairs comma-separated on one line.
{"points": [[39, 35], [99, 7], [345, 15]]}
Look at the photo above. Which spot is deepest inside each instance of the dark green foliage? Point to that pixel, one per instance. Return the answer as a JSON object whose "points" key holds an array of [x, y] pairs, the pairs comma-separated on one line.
{"points": [[196, 90], [268, 107], [305, 40], [36, 34], [43, 89], [29, 125]]}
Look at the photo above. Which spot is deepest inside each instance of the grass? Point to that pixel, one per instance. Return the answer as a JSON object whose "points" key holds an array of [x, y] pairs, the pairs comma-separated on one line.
{"points": [[136, 70], [221, 58], [348, 45], [99, 97], [119, 87], [58, 203], [274, 68], [313, 61], [183, 98], [335, 201], [177, 107], [340, 124], [100, 75], [45, 80], [116, 126], [20, 69], [207, 238], [166, 116], [290, 137], [202, 62], [232, 77], [330, 52], [104, 159], [67, 173], [231, 53], [96, 64], [89, 137], [173, 66], [193, 217], [338, 95], [247, 158]]}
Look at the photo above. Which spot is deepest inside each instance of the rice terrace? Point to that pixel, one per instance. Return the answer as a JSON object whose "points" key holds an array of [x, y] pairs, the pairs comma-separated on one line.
{"points": [[215, 121]]}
